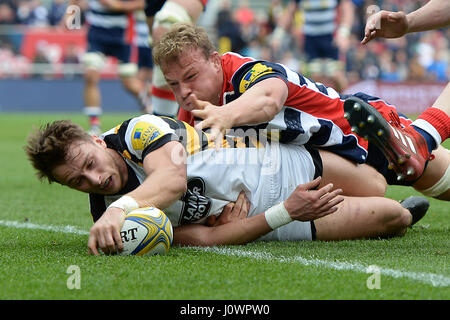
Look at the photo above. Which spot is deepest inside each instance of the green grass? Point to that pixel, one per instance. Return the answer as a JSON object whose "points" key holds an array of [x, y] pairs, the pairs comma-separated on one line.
{"points": [[34, 262]]}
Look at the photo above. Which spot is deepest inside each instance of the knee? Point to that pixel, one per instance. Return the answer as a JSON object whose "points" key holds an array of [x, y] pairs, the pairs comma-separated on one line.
{"points": [[91, 77], [378, 185], [396, 221]]}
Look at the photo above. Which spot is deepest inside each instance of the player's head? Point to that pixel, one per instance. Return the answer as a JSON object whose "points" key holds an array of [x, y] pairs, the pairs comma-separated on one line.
{"points": [[190, 64], [63, 152]]}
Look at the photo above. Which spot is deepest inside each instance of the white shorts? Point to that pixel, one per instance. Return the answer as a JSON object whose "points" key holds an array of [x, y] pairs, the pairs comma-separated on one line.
{"points": [[298, 165]]}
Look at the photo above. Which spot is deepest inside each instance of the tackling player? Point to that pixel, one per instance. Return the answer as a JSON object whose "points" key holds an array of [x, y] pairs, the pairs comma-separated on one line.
{"points": [[165, 163], [161, 14], [230, 90]]}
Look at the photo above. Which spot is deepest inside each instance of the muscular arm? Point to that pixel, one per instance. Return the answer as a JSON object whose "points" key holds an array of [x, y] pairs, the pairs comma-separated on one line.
{"points": [[386, 24], [258, 104], [236, 232], [165, 183], [435, 14], [304, 204], [166, 177]]}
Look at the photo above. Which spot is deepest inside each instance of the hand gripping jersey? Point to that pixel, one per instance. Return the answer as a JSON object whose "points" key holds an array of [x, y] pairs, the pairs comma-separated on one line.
{"points": [[310, 98], [267, 173]]}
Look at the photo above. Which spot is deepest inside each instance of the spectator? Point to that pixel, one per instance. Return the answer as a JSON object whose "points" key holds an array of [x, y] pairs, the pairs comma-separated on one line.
{"points": [[438, 68], [416, 71], [7, 14], [228, 30], [39, 14], [56, 12], [24, 11], [240, 28], [401, 61], [244, 14]]}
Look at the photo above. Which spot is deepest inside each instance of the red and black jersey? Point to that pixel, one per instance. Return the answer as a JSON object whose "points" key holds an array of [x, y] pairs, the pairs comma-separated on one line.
{"points": [[305, 95]]}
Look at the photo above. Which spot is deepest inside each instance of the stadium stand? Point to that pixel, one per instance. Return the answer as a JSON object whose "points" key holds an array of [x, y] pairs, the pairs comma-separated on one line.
{"points": [[32, 45]]}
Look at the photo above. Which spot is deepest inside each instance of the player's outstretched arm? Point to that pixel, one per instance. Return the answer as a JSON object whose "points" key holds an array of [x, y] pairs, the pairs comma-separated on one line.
{"points": [[434, 15], [387, 24], [165, 183], [304, 204], [261, 103], [166, 177]]}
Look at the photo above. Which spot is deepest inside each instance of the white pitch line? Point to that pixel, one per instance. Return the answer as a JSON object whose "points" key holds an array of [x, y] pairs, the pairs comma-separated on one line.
{"points": [[29, 225], [436, 280]]}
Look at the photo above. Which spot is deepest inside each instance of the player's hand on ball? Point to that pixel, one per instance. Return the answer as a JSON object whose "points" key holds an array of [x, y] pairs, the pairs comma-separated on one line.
{"points": [[105, 233], [306, 204]]}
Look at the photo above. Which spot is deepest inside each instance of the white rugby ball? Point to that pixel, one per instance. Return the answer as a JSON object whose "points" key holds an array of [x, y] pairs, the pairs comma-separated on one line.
{"points": [[146, 231]]}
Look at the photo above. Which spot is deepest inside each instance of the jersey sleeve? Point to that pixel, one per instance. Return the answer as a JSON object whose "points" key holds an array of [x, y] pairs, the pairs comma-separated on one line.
{"points": [[252, 73], [147, 133], [136, 138]]}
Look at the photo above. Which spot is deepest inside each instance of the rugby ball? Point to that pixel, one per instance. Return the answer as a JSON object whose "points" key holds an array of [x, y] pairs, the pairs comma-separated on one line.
{"points": [[145, 232]]}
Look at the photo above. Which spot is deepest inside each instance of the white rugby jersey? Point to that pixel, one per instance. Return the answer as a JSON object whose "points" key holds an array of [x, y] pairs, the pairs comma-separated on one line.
{"points": [[267, 173]]}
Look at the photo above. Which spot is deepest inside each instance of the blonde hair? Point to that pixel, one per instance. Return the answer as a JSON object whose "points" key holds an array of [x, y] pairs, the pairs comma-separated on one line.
{"points": [[179, 38], [47, 146]]}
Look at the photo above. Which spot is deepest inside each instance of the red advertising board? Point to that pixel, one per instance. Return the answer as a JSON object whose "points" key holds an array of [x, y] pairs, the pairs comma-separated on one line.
{"points": [[408, 97]]}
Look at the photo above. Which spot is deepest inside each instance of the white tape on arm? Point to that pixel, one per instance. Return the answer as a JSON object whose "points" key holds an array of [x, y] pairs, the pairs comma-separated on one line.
{"points": [[126, 203], [277, 216]]}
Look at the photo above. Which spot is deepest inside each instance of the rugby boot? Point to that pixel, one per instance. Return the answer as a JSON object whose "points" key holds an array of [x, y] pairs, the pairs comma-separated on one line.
{"points": [[404, 148], [418, 206]]}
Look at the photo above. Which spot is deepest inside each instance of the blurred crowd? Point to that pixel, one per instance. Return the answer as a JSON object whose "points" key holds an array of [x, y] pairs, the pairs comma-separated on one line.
{"points": [[32, 12], [250, 31]]}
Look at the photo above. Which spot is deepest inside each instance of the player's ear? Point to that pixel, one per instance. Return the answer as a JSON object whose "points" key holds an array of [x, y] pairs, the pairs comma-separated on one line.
{"points": [[215, 58], [99, 141]]}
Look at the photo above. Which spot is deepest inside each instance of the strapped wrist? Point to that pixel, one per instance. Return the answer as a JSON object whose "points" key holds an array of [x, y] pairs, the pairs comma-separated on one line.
{"points": [[126, 203], [277, 216]]}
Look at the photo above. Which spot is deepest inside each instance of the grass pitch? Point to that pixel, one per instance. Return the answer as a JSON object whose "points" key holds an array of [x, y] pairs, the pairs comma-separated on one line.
{"points": [[44, 231]]}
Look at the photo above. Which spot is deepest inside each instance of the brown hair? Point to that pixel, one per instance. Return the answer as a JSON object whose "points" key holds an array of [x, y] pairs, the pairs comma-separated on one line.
{"points": [[47, 146], [179, 38]]}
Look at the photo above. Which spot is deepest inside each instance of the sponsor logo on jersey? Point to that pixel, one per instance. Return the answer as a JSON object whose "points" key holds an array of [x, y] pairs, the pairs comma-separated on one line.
{"points": [[143, 135], [195, 205], [257, 71]]}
